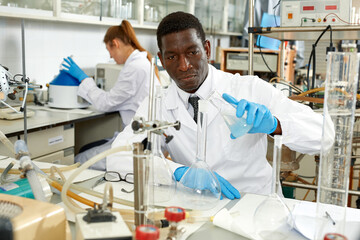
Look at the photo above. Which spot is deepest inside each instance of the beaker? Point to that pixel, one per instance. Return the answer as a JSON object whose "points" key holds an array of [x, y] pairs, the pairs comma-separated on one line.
{"points": [[164, 181], [199, 188], [237, 126], [336, 143], [272, 218]]}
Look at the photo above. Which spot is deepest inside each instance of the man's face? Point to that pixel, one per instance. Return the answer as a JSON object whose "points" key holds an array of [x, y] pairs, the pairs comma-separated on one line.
{"points": [[185, 57]]}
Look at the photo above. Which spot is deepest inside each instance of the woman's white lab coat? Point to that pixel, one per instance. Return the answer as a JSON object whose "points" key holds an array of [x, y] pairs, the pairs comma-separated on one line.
{"points": [[129, 91], [242, 161]]}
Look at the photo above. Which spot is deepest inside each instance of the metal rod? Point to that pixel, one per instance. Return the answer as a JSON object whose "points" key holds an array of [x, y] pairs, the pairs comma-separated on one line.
{"points": [[313, 187], [282, 60], [151, 100], [251, 37], [24, 76], [139, 183]]}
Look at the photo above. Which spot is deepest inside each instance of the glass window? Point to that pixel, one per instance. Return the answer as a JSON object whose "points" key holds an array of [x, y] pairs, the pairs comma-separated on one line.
{"points": [[210, 14], [236, 13], [155, 10], [34, 4], [122, 9]]}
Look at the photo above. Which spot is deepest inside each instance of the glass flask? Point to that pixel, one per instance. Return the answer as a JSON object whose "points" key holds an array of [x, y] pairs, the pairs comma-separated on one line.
{"points": [[272, 218], [164, 182], [199, 188], [336, 145], [237, 126]]}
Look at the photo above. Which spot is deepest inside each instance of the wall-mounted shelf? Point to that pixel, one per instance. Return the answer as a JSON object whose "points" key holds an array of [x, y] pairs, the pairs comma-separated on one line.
{"points": [[348, 32]]}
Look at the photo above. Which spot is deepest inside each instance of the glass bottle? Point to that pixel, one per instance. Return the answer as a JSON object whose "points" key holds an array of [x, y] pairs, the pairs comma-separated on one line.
{"points": [[336, 144], [199, 187], [272, 218]]}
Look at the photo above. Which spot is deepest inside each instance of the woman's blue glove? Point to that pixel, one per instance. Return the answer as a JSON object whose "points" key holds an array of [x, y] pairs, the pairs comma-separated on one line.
{"points": [[73, 69], [258, 115], [226, 188]]}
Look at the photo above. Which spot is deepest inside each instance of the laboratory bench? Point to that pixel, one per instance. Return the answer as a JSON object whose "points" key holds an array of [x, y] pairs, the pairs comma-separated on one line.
{"points": [[241, 211], [202, 231], [56, 136]]}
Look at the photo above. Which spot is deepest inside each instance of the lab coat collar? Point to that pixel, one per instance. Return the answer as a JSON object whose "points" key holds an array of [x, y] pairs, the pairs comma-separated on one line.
{"points": [[134, 55]]}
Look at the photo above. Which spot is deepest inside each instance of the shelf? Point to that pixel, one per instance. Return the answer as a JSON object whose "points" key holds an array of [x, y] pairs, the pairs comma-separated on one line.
{"points": [[56, 15], [310, 33]]}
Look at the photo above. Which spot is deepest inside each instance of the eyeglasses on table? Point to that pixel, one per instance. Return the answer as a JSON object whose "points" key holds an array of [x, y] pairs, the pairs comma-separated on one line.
{"points": [[112, 176]]}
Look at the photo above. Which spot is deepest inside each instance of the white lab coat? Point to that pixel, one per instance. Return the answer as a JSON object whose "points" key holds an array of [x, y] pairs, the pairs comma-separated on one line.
{"points": [[242, 161], [128, 92]]}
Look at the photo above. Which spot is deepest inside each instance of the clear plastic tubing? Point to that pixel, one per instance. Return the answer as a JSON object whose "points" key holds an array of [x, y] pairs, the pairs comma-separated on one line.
{"points": [[25, 162], [336, 145]]}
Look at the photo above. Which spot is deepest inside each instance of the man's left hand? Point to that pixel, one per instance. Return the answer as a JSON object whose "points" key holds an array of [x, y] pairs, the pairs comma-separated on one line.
{"points": [[200, 178]]}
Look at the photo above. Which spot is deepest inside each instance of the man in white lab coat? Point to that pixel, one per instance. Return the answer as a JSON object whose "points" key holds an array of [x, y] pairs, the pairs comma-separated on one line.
{"points": [[240, 164]]}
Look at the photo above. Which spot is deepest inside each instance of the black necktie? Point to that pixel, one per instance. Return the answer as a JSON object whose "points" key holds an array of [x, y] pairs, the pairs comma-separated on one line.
{"points": [[194, 101]]}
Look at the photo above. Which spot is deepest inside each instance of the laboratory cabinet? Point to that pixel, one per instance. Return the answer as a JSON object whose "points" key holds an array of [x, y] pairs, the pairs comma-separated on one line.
{"points": [[55, 145], [222, 17], [56, 136]]}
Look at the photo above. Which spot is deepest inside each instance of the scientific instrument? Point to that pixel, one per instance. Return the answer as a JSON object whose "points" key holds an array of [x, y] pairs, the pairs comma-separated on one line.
{"points": [[237, 126], [63, 92], [164, 182], [272, 218], [240, 60], [106, 75], [175, 215], [8, 82], [144, 180], [102, 223], [199, 187], [336, 144], [147, 232], [28, 217], [296, 13]]}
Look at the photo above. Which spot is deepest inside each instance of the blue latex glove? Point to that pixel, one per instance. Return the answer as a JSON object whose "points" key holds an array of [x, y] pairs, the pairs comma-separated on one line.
{"points": [[226, 188], [258, 115], [73, 69]]}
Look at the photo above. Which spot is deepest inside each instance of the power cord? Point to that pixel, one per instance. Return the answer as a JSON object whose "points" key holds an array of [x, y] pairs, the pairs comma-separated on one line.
{"points": [[274, 8], [263, 58], [313, 57]]}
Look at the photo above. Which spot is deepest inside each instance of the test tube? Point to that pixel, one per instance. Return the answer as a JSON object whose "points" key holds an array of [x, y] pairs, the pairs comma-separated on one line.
{"points": [[336, 145]]}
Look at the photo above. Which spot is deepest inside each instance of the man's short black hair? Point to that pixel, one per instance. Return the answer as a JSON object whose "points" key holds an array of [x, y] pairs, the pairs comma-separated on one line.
{"points": [[177, 22]]}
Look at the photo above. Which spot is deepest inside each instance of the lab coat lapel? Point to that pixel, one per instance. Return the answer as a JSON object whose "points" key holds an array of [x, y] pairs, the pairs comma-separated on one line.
{"points": [[177, 109], [219, 86]]}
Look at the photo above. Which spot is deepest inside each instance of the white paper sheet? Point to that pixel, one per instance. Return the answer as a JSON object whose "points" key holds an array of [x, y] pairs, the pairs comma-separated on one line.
{"points": [[239, 219], [305, 216]]}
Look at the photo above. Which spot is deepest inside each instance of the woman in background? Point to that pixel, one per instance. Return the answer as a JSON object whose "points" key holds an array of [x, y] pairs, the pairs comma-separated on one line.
{"points": [[132, 85], [130, 89]]}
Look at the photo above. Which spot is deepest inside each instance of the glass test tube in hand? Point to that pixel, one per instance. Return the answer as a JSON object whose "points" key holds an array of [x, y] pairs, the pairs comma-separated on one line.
{"points": [[237, 126]]}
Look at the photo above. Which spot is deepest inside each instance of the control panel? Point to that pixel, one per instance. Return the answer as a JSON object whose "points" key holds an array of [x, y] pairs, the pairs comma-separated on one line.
{"points": [[240, 61], [296, 13]]}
